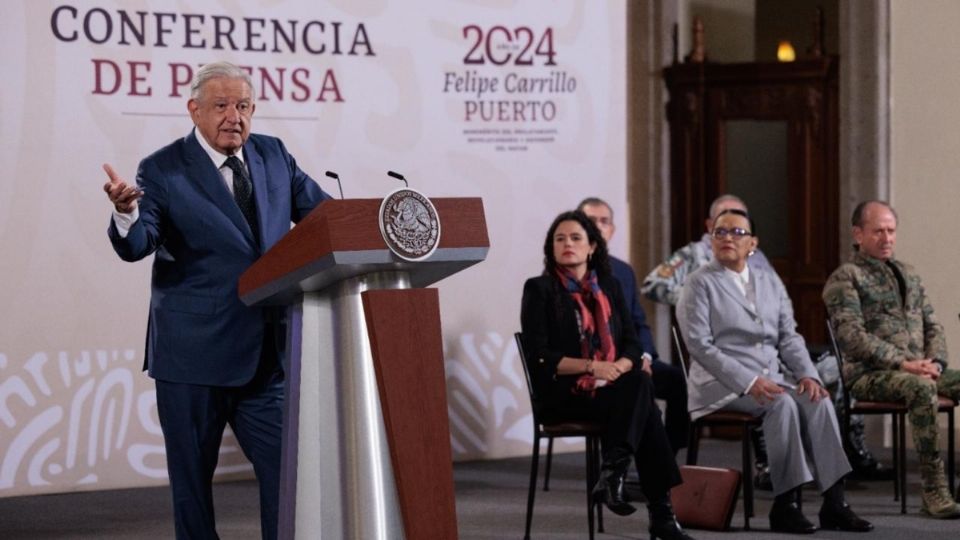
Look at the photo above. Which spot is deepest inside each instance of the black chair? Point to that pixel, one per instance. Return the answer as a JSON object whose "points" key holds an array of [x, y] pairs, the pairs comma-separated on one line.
{"points": [[898, 413], [744, 421], [549, 430]]}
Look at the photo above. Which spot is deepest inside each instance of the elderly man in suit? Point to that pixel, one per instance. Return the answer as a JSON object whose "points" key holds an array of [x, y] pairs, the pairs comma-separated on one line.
{"points": [[208, 205], [738, 324]]}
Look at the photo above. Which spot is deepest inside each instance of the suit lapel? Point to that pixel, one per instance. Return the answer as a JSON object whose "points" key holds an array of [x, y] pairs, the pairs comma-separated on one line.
{"points": [[761, 285], [730, 288], [206, 174]]}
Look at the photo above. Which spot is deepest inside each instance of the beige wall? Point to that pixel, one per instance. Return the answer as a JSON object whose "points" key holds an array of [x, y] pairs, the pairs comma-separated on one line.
{"points": [[728, 28], [792, 20], [925, 148]]}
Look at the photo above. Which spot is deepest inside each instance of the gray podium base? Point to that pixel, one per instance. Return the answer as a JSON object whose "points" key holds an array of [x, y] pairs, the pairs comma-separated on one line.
{"points": [[337, 478]]}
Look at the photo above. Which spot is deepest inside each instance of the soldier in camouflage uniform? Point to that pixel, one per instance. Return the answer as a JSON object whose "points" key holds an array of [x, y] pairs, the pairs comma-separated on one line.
{"points": [[892, 343]]}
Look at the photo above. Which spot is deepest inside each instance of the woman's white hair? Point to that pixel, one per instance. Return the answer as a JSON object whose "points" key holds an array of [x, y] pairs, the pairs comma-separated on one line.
{"points": [[218, 70]]}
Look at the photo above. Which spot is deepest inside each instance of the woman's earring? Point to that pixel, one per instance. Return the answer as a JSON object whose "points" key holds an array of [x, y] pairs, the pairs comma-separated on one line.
{"points": [[750, 253], [589, 257]]}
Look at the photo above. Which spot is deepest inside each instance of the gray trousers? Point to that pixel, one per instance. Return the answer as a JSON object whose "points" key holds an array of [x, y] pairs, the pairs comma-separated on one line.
{"points": [[803, 440]]}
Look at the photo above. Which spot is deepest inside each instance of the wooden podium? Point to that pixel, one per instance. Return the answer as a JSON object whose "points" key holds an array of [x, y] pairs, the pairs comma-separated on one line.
{"points": [[366, 443]]}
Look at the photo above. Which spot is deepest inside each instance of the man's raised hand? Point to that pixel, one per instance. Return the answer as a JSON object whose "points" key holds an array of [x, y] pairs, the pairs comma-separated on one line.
{"points": [[123, 196]]}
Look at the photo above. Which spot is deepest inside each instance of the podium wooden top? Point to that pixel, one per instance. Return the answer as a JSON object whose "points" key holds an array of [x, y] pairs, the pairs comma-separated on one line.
{"points": [[341, 239]]}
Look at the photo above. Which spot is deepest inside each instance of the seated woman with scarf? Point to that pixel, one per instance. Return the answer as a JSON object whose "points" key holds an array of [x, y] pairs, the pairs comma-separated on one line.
{"points": [[585, 359]]}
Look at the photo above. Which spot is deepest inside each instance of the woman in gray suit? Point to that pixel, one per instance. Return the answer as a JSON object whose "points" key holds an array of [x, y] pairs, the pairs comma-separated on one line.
{"points": [[584, 361], [738, 324]]}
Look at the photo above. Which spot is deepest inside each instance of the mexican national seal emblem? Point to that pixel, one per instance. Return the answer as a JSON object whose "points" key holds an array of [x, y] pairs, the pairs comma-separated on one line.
{"points": [[409, 224]]}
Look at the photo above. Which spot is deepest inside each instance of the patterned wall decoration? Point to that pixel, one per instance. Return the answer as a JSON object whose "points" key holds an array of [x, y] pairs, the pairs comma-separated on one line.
{"points": [[519, 103]]}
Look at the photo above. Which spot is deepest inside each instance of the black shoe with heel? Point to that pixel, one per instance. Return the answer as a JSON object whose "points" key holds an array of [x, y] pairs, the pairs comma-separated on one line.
{"points": [[611, 490], [663, 522]]}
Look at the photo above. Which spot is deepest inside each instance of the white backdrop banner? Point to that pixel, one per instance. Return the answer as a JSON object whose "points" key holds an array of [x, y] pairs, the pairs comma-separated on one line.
{"points": [[519, 103]]}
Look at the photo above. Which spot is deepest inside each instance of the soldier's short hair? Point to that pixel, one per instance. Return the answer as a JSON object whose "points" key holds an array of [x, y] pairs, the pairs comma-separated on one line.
{"points": [[722, 199], [595, 201], [857, 219]]}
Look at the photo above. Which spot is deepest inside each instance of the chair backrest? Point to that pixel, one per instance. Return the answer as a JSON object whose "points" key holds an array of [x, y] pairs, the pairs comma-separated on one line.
{"points": [[839, 355], [534, 401]]}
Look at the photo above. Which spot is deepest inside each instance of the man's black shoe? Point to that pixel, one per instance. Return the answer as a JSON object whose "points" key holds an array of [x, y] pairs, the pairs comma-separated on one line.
{"points": [[761, 477], [875, 472], [787, 518], [842, 518]]}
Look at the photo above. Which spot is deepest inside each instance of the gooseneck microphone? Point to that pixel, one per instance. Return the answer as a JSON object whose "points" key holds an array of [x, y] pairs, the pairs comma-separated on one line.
{"points": [[336, 177], [398, 176]]}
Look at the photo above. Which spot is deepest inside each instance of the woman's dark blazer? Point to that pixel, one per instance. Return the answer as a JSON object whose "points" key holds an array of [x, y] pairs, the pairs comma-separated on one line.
{"points": [[550, 333]]}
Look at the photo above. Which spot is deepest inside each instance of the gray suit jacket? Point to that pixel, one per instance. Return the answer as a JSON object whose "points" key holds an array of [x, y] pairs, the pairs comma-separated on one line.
{"points": [[730, 343]]}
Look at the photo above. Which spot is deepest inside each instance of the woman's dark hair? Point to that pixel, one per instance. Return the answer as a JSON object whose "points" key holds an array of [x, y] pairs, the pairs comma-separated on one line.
{"points": [[599, 261], [739, 212]]}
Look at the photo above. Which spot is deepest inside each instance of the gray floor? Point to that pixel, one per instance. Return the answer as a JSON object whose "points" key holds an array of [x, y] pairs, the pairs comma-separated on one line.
{"points": [[491, 497]]}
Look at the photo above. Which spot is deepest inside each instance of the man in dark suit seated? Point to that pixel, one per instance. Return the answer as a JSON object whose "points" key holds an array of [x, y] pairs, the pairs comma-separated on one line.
{"points": [[208, 205], [668, 380]]}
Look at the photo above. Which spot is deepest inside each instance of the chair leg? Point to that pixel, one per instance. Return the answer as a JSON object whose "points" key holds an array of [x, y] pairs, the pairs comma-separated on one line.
{"points": [[693, 446], [903, 463], [534, 463], [896, 456], [589, 470], [596, 476], [546, 470], [951, 459], [748, 478]]}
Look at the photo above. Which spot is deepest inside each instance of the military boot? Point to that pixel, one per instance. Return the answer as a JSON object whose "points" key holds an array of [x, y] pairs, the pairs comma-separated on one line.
{"points": [[937, 500]]}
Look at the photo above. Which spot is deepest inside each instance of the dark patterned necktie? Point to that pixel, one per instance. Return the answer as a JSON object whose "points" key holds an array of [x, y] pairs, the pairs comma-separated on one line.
{"points": [[243, 194]]}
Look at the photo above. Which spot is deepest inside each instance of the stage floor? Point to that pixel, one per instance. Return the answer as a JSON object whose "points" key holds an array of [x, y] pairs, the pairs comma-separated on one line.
{"points": [[491, 499]]}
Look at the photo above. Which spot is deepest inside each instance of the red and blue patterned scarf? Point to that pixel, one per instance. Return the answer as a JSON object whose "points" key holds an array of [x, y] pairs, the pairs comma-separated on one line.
{"points": [[596, 340]]}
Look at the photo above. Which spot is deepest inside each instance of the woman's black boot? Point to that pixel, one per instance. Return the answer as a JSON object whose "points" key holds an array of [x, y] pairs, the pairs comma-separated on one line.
{"points": [[611, 488], [663, 523]]}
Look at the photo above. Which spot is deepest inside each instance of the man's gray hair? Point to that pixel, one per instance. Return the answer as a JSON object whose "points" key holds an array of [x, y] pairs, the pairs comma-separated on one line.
{"points": [[595, 201], [218, 70], [722, 199]]}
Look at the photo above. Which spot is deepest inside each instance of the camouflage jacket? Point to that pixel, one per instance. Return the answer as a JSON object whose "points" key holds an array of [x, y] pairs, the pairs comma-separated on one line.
{"points": [[877, 329], [664, 283]]}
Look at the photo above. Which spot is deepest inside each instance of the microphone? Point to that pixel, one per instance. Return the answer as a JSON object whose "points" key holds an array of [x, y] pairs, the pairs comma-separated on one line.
{"points": [[336, 177], [399, 177]]}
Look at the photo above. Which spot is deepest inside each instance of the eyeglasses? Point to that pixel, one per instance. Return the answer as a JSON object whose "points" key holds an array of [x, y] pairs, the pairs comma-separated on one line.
{"points": [[736, 233]]}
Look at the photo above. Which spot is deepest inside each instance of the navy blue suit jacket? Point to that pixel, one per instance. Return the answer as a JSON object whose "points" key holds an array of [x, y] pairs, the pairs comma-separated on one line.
{"points": [[628, 284], [199, 332]]}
